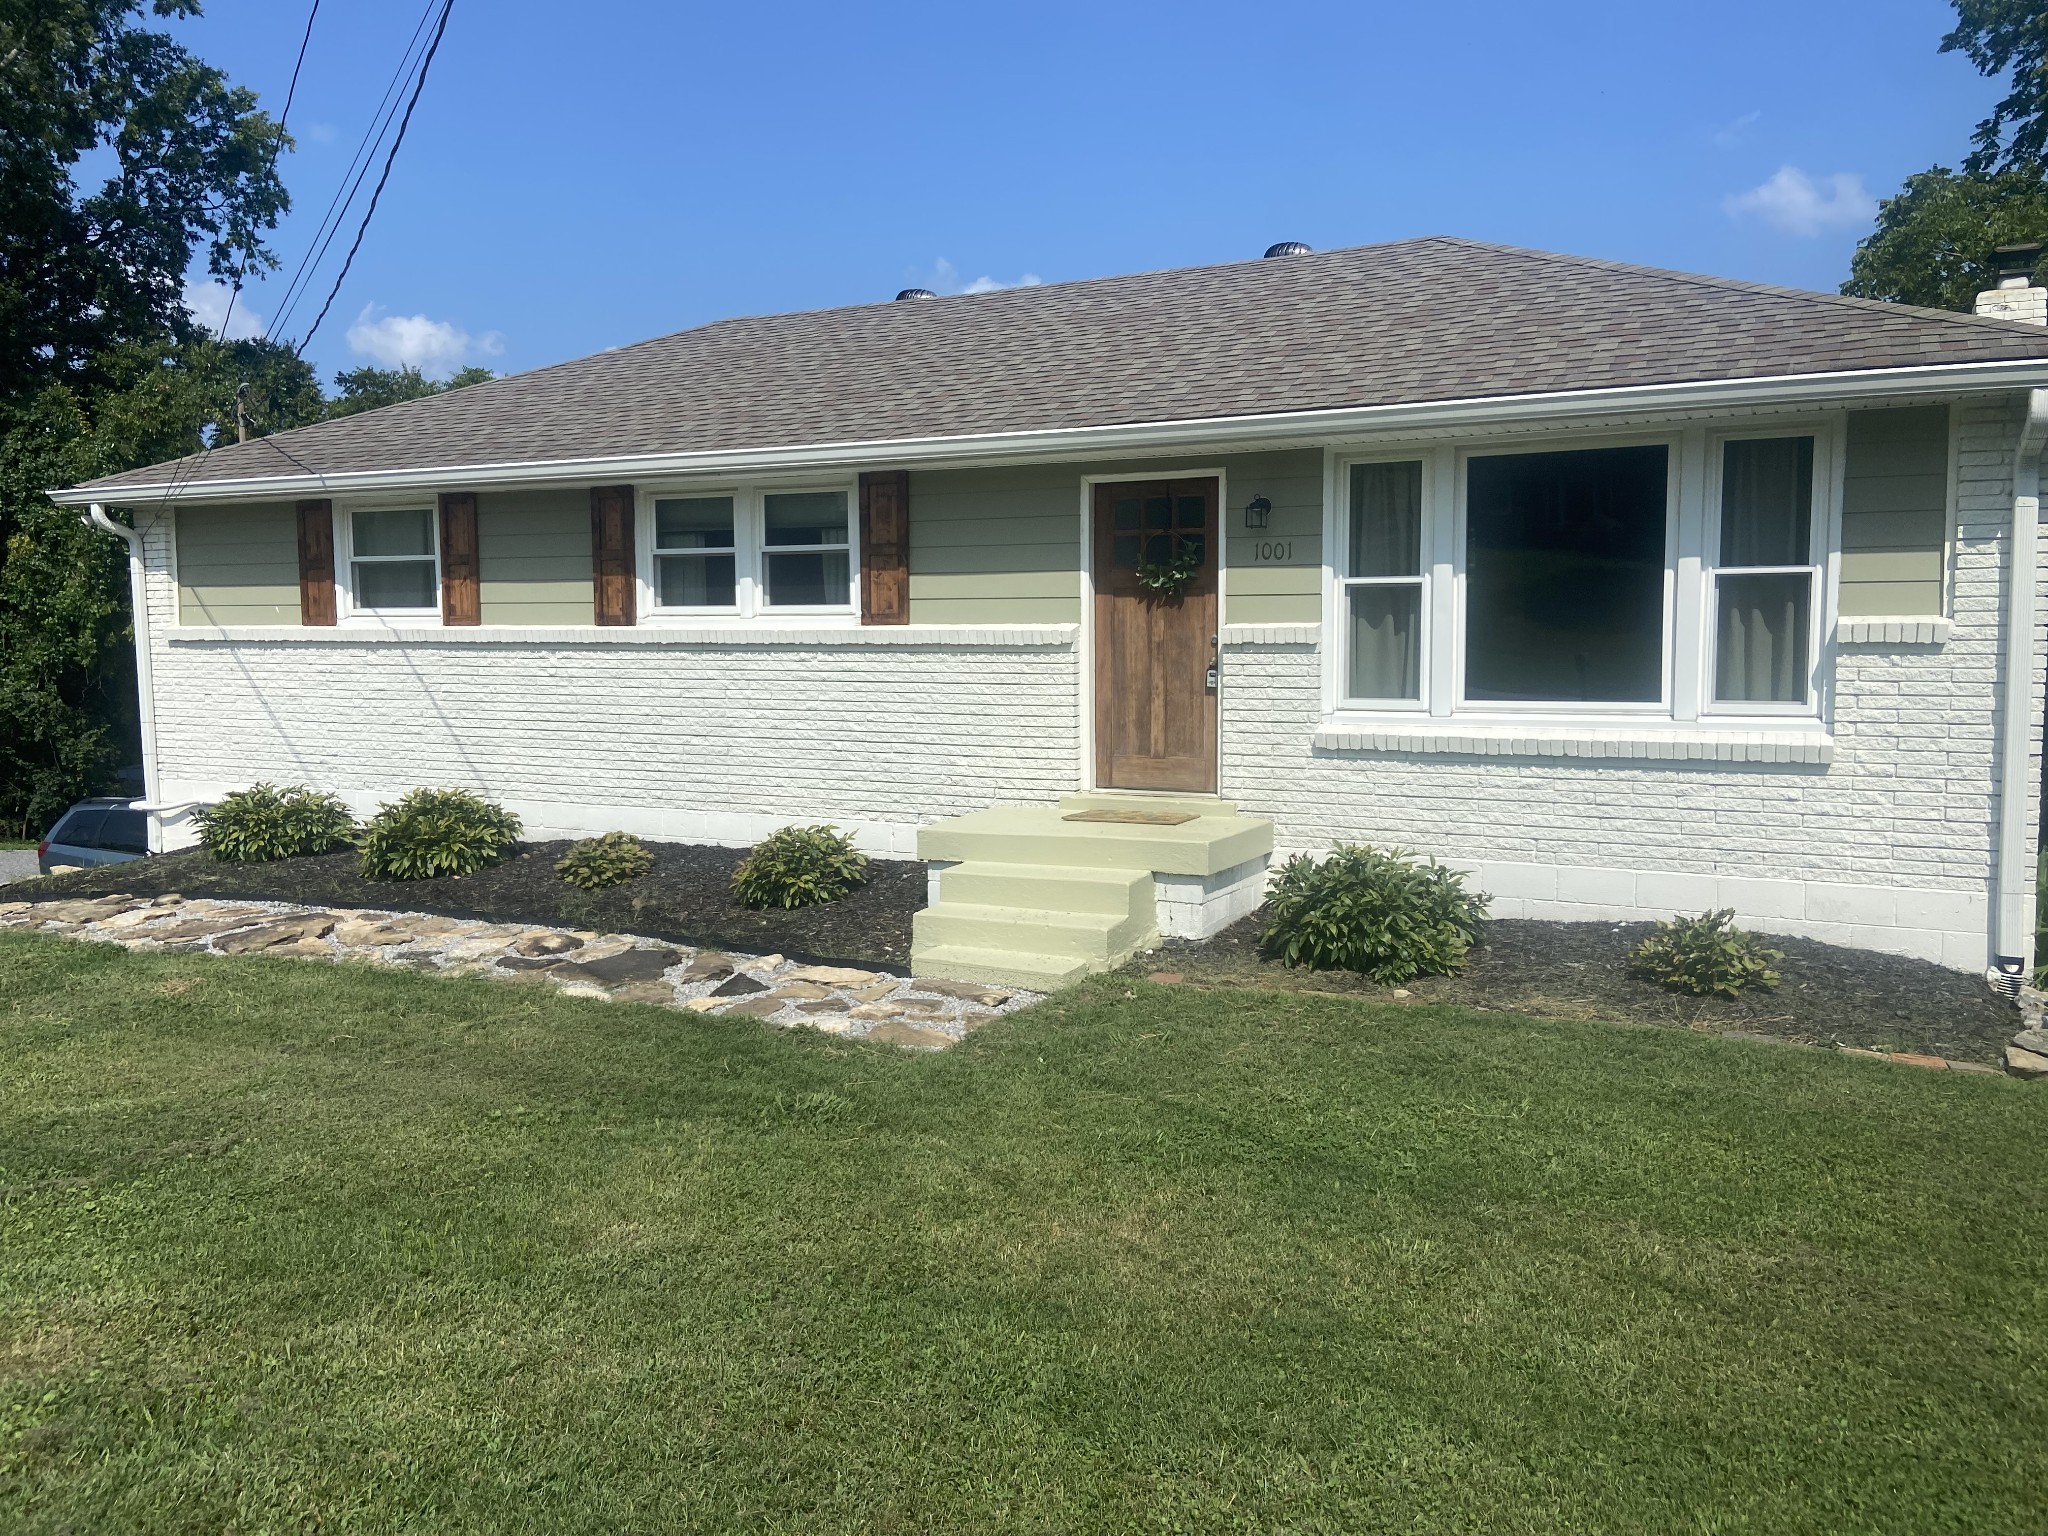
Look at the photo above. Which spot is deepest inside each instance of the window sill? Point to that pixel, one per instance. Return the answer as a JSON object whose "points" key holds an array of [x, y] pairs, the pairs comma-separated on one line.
{"points": [[1904, 629], [1272, 634], [995, 636], [1617, 742]]}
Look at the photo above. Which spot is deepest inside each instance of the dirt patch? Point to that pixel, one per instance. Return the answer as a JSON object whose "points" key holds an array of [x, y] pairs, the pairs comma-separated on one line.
{"points": [[686, 898], [1829, 995]]}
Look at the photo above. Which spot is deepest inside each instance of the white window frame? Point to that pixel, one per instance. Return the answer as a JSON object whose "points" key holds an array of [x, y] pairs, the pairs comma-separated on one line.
{"points": [[750, 552], [1342, 582], [1692, 547], [1819, 539], [347, 605]]}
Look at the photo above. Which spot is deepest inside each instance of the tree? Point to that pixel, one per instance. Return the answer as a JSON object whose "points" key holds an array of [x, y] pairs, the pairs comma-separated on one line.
{"points": [[101, 367], [369, 389], [1934, 240], [2001, 35]]}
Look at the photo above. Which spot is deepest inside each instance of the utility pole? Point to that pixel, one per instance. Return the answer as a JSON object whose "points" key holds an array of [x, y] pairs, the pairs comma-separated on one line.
{"points": [[241, 412]]}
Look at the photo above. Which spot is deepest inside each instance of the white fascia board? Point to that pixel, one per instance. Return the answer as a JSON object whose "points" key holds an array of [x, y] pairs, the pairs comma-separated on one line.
{"points": [[1278, 429]]}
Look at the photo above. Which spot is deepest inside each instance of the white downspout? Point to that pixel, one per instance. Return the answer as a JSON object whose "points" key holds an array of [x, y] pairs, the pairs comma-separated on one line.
{"points": [[2011, 938], [138, 600]]}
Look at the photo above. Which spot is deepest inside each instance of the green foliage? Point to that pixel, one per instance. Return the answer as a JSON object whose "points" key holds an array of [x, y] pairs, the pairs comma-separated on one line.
{"points": [[436, 832], [1375, 912], [263, 822], [612, 859], [799, 867], [1997, 36], [1705, 955], [1934, 240], [369, 389]]}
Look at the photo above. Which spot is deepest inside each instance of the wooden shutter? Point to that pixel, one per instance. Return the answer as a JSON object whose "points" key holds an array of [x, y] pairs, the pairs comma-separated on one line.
{"points": [[460, 600], [611, 553], [885, 547], [316, 562]]}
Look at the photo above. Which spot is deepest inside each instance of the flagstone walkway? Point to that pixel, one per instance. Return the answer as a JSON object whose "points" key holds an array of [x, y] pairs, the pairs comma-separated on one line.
{"points": [[840, 1000]]}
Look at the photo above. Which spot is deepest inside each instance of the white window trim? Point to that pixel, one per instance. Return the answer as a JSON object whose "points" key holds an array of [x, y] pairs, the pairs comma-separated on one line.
{"points": [[750, 551], [1342, 582], [1821, 540], [1692, 521], [347, 610]]}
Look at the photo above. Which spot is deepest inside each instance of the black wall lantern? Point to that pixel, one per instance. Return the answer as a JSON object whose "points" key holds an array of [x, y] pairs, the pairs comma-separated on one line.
{"points": [[1256, 511]]}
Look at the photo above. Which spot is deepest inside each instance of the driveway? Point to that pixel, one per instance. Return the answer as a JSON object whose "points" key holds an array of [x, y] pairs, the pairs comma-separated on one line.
{"points": [[17, 864]]}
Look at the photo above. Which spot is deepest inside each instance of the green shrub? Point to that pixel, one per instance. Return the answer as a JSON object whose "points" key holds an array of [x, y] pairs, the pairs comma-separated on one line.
{"points": [[1376, 912], [1705, 954], [436, 832], [612, 859], [263, 822], [798, 867]]}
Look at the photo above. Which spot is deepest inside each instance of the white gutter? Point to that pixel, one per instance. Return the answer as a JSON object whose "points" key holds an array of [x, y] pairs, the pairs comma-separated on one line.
{"points": [[138, 598], [1207, 433], [2012, 938]]}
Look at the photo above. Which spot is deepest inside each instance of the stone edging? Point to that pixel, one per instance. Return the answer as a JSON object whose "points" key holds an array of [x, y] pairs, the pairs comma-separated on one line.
{"points": [[839, 1000]]}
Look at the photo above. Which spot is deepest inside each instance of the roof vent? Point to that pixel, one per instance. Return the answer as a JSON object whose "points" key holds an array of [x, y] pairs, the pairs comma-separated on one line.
{"points": [[915, 293], [1289, 248]]}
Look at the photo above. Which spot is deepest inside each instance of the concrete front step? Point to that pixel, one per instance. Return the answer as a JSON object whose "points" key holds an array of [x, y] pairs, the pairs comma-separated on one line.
{"points": [[1103, 937], [1030, 834], [1049, 887], [1124, 800], [1002, 967]]}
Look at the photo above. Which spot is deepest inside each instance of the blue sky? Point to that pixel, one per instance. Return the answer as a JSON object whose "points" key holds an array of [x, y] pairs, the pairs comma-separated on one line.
{"points": [[582, 176]]}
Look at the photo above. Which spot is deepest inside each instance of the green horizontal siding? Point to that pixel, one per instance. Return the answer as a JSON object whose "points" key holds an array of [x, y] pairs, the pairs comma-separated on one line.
{"points": [[237, 565], [1003, 546], [533, 557], [1895, 511]]}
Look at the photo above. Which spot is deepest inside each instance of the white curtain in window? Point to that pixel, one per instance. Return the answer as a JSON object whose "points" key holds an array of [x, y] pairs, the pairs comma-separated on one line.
{"points": [[1386, 642], [1763, 633]]}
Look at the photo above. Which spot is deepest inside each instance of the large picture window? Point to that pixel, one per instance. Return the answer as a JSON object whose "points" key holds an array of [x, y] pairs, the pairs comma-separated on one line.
{"points": [[392, 562], [1765, 576], [1564, 576], [1382, 583]]}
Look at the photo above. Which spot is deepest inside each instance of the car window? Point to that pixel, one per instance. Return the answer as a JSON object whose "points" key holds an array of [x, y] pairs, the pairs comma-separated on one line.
{"points": [[80, 827], [124, 831]]}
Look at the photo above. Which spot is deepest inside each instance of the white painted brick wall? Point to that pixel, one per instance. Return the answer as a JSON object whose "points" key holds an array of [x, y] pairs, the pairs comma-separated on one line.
{"points": [[1908, 806], [690, 739]]}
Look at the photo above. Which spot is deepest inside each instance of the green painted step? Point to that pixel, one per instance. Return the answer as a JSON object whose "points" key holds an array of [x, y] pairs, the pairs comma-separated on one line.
{"points": [[1103, 937], [1049, 887], [1000, 967], [1031, 834]]}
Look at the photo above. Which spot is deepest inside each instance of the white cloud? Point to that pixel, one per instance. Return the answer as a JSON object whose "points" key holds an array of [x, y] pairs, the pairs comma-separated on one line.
{"points": [[1801, 205], [435, 347], [945, 278], [1734, 132], [208, 302]]}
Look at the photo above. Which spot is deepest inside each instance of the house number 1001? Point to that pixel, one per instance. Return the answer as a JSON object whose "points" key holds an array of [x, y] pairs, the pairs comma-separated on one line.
{"points": [[1273, 549]]}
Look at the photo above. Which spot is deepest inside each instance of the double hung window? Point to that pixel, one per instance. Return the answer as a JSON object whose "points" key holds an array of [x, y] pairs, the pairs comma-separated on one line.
{"points": [[1766, 574], [1382, 583], [393, 564], [745, 552]]}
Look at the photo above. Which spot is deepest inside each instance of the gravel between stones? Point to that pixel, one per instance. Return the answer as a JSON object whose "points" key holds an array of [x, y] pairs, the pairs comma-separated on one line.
{"points": [[848, 1001]]}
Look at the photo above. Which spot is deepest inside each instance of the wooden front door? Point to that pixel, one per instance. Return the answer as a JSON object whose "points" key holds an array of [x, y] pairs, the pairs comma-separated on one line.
{"points": [[1155, 698]]}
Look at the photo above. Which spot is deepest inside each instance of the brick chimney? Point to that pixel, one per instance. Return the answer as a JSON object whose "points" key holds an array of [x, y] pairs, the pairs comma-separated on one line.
{"points": [[2015, 297]]}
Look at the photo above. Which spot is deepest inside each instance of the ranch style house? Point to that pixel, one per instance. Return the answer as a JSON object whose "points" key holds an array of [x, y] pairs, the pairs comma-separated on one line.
{"points": [[1631, 591]]}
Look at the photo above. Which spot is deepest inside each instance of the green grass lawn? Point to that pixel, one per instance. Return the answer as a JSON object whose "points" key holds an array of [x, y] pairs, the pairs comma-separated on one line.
{"points": [[288, 1247]]}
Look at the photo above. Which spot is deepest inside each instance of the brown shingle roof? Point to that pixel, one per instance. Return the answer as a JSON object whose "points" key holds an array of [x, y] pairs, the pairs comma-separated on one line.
{"points": [[1414, 321]]}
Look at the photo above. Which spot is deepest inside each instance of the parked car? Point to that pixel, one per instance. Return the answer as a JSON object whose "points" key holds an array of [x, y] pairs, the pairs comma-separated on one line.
{"points": [[99, 831]]}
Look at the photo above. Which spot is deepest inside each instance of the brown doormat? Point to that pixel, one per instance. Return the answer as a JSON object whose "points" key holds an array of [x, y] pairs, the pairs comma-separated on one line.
{"points": [[1136, 818]]}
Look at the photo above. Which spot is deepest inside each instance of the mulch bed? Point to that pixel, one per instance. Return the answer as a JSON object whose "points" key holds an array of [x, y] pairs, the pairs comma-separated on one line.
{"points": [[1829, 995], [686, 899]]}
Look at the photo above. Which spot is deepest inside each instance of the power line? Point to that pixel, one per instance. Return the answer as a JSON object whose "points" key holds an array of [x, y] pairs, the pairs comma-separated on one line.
{"points": [[358, 167], [276, 146], [419, 85]]}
